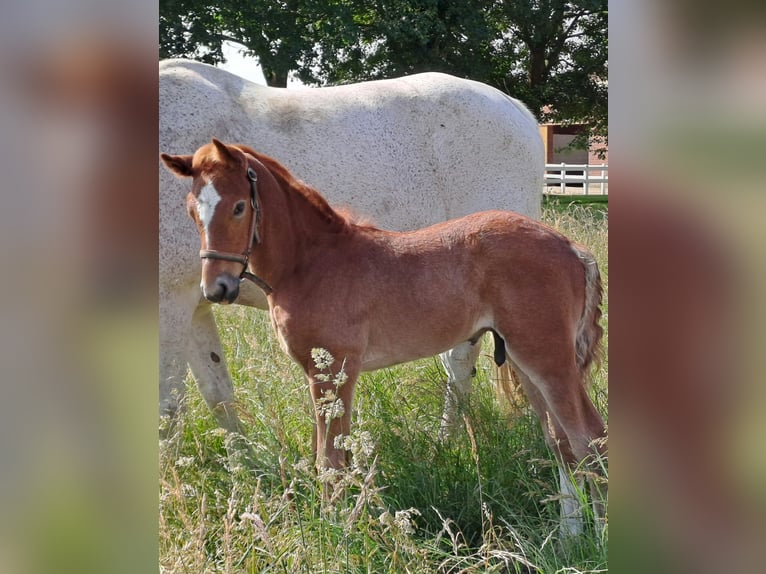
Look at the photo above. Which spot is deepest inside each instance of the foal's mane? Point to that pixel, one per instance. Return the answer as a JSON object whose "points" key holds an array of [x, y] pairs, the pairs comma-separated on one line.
{"points": [[297, 188]]}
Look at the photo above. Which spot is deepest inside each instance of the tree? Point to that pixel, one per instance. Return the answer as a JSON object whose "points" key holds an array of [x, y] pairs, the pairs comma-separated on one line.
{"points": [[551, 54], [191, 29], [389, 38], [554, 57], [278, 33]]}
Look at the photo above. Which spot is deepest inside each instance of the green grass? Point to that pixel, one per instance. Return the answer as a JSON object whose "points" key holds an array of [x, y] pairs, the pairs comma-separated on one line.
{"points": [[483, 501]]}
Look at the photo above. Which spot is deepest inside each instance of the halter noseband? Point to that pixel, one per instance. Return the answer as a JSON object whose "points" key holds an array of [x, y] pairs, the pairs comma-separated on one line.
{"points": [[253, 238]]}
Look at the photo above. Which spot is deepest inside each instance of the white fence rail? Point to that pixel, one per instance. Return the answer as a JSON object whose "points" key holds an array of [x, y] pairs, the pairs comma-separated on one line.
{"points": [[579, 179]]}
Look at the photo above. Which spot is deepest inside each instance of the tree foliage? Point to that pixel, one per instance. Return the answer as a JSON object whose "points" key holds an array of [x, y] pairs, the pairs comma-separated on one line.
{"points": [[554, 57], [275, 32], [551, 54], [388, 38]]}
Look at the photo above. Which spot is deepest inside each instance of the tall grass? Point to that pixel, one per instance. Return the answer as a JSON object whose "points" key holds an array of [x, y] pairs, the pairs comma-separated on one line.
{"points": [[485, 500]]}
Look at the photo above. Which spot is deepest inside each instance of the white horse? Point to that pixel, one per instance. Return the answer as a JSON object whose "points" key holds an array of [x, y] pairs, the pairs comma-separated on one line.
{"points": [[401, 152]]}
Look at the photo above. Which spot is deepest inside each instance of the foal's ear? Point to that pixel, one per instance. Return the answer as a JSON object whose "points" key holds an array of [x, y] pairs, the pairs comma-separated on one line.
{"points": [[181, 165], [225, 153]]}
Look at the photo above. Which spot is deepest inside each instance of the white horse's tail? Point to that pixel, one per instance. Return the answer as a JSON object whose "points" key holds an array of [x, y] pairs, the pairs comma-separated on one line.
{"points": [[589, 331]]}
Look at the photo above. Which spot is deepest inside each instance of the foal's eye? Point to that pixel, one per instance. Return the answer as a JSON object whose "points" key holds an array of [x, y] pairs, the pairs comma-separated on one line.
{"points": [[239, 208]]}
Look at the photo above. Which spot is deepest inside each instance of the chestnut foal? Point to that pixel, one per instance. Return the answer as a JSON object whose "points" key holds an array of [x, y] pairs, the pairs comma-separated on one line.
{"points": [[375, 298]]}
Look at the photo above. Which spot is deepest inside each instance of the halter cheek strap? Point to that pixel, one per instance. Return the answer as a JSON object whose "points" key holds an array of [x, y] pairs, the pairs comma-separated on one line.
{"points": [[253, 238]]}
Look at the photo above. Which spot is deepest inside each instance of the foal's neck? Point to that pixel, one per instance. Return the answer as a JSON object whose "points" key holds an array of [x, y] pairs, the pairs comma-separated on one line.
{"points": [[296, 220], [303, 201], [302, 211]]}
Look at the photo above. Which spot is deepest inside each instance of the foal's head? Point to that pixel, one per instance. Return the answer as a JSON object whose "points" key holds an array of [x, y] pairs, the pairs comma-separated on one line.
{"points": [[222, 203]]}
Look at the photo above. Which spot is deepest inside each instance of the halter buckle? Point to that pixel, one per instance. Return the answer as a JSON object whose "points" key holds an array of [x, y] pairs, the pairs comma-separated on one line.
{"points": [[253, 177]]}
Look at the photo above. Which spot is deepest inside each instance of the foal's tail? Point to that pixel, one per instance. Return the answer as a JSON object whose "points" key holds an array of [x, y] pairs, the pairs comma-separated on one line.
{"points": [[589, 332]]}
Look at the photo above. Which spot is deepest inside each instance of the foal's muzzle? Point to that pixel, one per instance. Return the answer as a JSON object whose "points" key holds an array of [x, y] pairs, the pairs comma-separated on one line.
{"points": [[224, 288]]}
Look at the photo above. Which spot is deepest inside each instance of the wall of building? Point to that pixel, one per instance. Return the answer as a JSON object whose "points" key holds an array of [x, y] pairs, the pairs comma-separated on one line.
{"points": [[556, 136]]}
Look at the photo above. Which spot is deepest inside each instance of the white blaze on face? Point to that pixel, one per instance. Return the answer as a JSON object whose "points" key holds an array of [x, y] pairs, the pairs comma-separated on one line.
{"points": [[206, 203]]}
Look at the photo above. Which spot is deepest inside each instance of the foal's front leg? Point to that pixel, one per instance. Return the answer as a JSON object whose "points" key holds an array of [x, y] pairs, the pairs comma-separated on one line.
{"points": [[332, 391]]}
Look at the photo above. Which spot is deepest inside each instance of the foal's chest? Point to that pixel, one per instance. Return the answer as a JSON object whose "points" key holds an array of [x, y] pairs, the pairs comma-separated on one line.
{"points": [[300, 328], [279, 319]]}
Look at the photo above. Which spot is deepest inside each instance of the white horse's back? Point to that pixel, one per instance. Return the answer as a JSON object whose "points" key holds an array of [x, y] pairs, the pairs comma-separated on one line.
{"points": [[406, 152]]}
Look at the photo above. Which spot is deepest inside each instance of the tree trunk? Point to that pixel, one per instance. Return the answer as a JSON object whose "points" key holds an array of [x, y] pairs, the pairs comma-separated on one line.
{"points": [[537, 66], [538, 76], [275, 78]]}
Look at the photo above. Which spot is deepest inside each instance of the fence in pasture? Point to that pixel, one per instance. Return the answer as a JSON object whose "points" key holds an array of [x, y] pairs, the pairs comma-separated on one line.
{"points": [[579, 179]]}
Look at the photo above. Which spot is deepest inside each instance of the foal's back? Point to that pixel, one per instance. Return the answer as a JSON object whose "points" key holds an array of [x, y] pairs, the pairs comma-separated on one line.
{"points": [[471, 250], [415, 294]]}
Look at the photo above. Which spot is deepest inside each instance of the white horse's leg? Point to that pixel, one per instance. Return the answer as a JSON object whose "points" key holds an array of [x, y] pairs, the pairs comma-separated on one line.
{"points": [[209, 368], [459, 364], [172, 371], [189, 337], [172, 374], [571, 508], [175, 312]]}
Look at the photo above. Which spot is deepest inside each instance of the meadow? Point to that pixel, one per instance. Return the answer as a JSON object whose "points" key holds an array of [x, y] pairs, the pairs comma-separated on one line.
{"points": [[484, 500]]}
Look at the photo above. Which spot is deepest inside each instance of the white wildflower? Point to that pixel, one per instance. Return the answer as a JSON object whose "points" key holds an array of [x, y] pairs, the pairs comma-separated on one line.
{"points": [[365, 443], [328, 475], [188, 491], [403, 520], [330, 406], [185, 461], [341, 378], [322, 358], [334, 409], [341, 441], [337, 409], [359, 443]]}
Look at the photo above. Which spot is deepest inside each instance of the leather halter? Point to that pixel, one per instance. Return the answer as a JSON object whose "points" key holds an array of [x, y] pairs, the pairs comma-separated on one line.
{"points": [[254, 238]]}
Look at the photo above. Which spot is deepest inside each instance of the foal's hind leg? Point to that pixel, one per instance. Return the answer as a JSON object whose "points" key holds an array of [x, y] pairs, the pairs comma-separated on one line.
{"points": [[571, 510], [459, 364], [563, 402]]}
